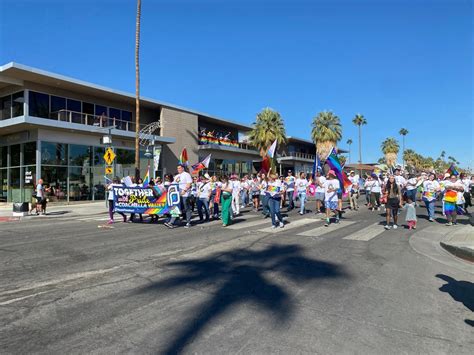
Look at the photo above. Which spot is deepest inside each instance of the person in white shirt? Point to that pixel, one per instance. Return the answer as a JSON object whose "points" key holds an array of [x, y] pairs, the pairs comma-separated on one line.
{"points": [[466, 181], [331, 185], [354, 192], [319, 195], [399, 179], [290, 190], [235, 194], [275, 191], [184, 181], [255, 192], [431, 188], [411, 186], [301, 185], [204, 191], [264, 196]]}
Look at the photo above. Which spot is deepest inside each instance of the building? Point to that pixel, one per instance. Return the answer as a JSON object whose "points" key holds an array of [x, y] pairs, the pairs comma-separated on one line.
{"points": [[52, 126]]}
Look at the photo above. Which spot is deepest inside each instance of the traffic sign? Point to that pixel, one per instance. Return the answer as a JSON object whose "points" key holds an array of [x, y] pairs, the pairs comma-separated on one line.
{"points": [[109, 156], [109, 170]]}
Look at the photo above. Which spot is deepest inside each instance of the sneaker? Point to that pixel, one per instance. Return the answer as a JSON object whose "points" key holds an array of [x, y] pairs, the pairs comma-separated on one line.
{"points": [[301, 213], [378, 208], [188, 225], [282, 225], [431, 219], [337, 220], [273, 226], [327, 223], [395, 226], [111, 221], [449, 224], [387, 227]]}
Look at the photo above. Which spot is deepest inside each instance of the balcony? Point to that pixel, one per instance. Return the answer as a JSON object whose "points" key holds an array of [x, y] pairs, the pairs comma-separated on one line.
{"points": [[213, 143], [297, 156], [101, 121]]}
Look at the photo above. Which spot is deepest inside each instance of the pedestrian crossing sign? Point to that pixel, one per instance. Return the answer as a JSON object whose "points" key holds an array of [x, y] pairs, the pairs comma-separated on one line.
{"points": [[109, 170], [109, 156]]}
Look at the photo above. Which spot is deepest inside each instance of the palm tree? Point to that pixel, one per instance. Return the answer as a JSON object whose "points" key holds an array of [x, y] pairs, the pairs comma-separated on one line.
{"points": [[326, 132], [137, 89], [349, 142], [359, 121], [409, 157], [442, 155], [390, 148], [403, 132], [267, 127]]}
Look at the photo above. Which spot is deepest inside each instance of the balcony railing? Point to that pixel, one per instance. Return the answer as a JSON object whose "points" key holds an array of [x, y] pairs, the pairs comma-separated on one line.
{"points": [[93, 120], [298, 155], [210, 140]]}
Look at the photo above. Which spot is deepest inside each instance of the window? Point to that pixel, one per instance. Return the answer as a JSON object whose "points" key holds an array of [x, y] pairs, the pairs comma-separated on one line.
{"points": [[5, 106], [79, 155], [125, 156], [76, 107], [18, 100], [88, 108], [53, 153], [126, 117], [57, 103], [115, 113], [3, 157], [38, 104], [15, 155], [99, 156], [29, 153], [100, 110], [56, 178]]}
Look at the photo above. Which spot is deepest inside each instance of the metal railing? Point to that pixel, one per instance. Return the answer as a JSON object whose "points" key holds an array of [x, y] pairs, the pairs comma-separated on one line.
{"points": [[93, 120], [222, 142], [299, 155]]}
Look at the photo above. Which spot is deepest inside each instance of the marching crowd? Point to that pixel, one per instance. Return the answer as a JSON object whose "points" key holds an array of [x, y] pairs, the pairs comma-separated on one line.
{"points": [[223, 197]]}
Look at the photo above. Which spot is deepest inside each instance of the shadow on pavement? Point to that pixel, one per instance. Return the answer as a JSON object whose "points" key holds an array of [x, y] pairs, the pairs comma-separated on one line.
{"points": [[240, 278], [460, 291]]}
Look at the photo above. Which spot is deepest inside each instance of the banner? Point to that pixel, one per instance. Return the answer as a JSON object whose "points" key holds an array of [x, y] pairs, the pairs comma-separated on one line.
{"points": [[156, 157], [143, 200]]}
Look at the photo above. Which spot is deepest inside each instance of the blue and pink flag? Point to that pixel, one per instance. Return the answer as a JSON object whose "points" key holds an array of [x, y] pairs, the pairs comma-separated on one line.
{"points": [[334, 163]]}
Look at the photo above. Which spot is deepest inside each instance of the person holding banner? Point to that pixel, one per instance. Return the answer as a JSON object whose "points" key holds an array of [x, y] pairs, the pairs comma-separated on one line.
{"points": [[110, 188], [275, 191], [184, 181]]}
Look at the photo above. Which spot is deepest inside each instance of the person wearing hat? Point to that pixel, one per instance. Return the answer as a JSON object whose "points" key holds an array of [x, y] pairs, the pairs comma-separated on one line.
{"points": [[290, 190], [204, 191], [331, 186]]}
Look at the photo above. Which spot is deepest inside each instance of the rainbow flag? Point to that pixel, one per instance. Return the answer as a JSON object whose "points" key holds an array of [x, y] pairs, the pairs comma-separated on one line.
{"points": [[201, 165], [146, 179], [450, 196], [183, 158], [452, 170], [334, 163]]}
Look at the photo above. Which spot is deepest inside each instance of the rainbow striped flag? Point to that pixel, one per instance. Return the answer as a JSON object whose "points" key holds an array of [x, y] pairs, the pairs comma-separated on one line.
{"points": [[146, 179], [183, 158], [452, 170], [334, 163]]}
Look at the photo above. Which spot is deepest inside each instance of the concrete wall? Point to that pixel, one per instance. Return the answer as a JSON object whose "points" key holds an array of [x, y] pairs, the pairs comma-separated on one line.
{"points": [[184, 127]]}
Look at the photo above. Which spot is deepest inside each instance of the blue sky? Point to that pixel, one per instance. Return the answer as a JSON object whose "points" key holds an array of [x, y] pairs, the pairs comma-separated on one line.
{"points": [[401, 63]]}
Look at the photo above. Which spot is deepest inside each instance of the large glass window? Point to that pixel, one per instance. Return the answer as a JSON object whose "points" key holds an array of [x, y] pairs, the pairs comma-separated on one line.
{"points": [[6, 107], [38, 104], [100, 110], [29, 179], [76, 108], [15, 155], [115, 114], [15, 191], [99, 156], [18, 101], [29, 153], [3, 157], [88, 111], [3, 185], [126, 117], [56, 178], [53, 153], [58, 104], [80, 184], [79, 155]]}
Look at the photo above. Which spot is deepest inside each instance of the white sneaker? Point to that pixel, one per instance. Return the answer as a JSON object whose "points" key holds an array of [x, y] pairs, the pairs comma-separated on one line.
{"points": [[282, 225], [395, 226], [387, 227], [273, 226]]}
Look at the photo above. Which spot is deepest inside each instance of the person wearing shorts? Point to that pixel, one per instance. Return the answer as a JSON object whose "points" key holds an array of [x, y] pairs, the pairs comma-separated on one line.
{"points": [[331, 200], [319, 195], [393, 192]]}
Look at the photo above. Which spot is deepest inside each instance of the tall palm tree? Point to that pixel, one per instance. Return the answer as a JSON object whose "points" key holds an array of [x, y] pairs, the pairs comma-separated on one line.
{"points": [[349, 143], [359, 120], [442, 155], [267, 127], [326, 132], [137, 89], [403, 132], [390, 149]]}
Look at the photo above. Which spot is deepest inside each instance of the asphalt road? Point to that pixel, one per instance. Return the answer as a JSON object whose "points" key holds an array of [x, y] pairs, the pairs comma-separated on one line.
{"points": [[67, 287]]}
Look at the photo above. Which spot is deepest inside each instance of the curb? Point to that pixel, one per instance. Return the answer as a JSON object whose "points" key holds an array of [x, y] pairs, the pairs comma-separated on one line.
{"points": [[461, 252]]}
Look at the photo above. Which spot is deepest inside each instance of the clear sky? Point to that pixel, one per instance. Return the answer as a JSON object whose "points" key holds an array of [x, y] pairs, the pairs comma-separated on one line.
{"points": [[401, 63]]}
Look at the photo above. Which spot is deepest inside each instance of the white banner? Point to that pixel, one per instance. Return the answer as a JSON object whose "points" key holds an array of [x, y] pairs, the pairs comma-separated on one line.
{"points": [[156, 157]]}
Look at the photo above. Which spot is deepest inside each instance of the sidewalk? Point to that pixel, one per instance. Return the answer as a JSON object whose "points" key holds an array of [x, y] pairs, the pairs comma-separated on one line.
{"points": [[460, 242], [59, 210]]}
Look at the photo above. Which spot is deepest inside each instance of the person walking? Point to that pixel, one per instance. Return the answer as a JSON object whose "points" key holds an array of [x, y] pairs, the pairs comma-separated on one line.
{"points": [[41, 196], [184, 181], [215, 196], [275, 191], [354, 190], [226, 201], [452, 188], [393, 196], [264, 196], [411, 187], [235, 194], [466, 181], [331, 187], [302, 188], [410, 218], [255, 192], [203, 195], [431, 188], [111, 202], [290, 190], [319, 194]]}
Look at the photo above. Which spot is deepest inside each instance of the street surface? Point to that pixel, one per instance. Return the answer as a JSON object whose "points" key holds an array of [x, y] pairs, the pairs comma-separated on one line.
{"points": [[69, 285]]}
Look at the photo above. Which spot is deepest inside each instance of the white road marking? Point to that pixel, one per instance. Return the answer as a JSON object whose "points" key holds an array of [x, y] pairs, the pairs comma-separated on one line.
{"points": [[294, 224], [248, 224], [316, 232], [366, 233]]}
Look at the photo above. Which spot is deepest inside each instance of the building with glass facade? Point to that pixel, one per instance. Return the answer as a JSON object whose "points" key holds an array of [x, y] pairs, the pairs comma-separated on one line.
{"points": [[51, 127]]}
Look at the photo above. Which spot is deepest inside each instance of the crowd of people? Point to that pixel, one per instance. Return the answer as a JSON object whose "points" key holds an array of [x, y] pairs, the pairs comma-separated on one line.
{"points": [[223, 197]]}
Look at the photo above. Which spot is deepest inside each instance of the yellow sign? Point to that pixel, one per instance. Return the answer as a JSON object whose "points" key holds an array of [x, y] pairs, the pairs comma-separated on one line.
{"points": [[109, 170], [109, 156]]}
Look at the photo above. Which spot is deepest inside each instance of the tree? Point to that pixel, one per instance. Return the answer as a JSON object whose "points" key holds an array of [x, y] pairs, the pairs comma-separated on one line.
{"points": [[403, 132], [442, 155], [390, 148], [137, 89], [267, 127], [349, 143], [359, 121], [342, 159], [326, 132]]}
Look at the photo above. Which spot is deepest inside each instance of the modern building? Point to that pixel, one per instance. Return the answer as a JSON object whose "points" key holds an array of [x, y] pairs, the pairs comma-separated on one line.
{"points": [[52, 126]]}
